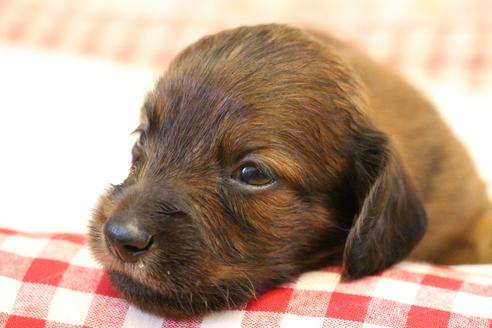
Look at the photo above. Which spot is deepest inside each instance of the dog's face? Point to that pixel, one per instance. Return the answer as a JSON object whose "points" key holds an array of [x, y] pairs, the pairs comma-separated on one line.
{"points": [[255, 162]]}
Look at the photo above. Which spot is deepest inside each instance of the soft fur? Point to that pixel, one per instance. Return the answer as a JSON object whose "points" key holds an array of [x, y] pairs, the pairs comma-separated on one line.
{"points": [[358, 156]]}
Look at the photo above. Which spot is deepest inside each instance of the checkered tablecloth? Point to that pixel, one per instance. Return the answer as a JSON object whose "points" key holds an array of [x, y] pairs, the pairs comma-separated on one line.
{"points": [[50, 280]]}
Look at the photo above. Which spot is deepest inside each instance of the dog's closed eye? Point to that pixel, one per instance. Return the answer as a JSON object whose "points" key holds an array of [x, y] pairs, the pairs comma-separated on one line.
{"points": [[138, 147]]}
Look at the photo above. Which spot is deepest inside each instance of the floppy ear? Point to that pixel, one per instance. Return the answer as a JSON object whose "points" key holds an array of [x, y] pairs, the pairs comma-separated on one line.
{"points": [[390, 219]]}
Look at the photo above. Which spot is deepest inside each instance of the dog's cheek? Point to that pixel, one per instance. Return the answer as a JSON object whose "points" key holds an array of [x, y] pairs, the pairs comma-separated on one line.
{"points": [[278, 212], [182, 253], [284, 223], [298, 232]]}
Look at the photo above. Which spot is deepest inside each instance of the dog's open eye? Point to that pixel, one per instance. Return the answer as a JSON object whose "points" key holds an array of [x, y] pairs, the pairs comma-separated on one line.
{"points": [[253, 175]]}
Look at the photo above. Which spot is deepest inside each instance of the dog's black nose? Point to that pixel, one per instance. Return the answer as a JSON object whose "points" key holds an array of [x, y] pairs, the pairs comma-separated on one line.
{"points": [[126, 239]]}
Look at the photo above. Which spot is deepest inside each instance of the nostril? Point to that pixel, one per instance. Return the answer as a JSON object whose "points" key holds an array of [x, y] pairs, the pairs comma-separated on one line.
{"points": [[138, 248], [126, 240], [132, 249]]}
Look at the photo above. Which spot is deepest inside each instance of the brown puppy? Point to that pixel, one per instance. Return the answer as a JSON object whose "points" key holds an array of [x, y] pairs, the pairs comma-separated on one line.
{"points": [[267, 151]]}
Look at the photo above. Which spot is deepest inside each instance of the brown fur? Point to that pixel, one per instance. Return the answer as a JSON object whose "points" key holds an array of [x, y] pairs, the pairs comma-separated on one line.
{"points": [[355, 152]]}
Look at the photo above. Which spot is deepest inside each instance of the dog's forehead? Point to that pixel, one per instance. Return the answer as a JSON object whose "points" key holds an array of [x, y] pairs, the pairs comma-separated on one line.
{"points": [[234, 92], [189, 116], [197, 126]]}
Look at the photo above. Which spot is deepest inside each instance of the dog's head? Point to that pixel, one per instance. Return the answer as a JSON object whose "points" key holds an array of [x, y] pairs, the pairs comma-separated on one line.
{"points": [[255, 162]]}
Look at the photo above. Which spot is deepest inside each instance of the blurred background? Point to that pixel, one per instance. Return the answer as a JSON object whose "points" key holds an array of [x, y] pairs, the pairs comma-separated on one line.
{"points": [[73, 74]]}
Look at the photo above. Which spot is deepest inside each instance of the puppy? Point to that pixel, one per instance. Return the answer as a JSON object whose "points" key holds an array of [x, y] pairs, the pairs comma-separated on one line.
{"points": [[267, 151]]}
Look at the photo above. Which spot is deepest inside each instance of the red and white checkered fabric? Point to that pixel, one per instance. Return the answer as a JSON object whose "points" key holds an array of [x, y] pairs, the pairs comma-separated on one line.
{"points": [[50, 280]]}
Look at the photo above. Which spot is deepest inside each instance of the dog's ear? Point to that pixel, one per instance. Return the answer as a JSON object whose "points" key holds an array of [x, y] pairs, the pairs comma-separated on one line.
{"points": [[390, 219]]}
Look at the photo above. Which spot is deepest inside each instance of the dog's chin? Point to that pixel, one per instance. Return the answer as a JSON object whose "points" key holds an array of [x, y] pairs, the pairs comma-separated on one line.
{"points": [[176, 304]]}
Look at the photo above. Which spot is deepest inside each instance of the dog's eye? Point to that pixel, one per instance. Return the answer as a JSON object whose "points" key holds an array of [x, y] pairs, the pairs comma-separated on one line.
{"points": [[136, 153], [253, 175], [140, 141], [137, 149]]}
